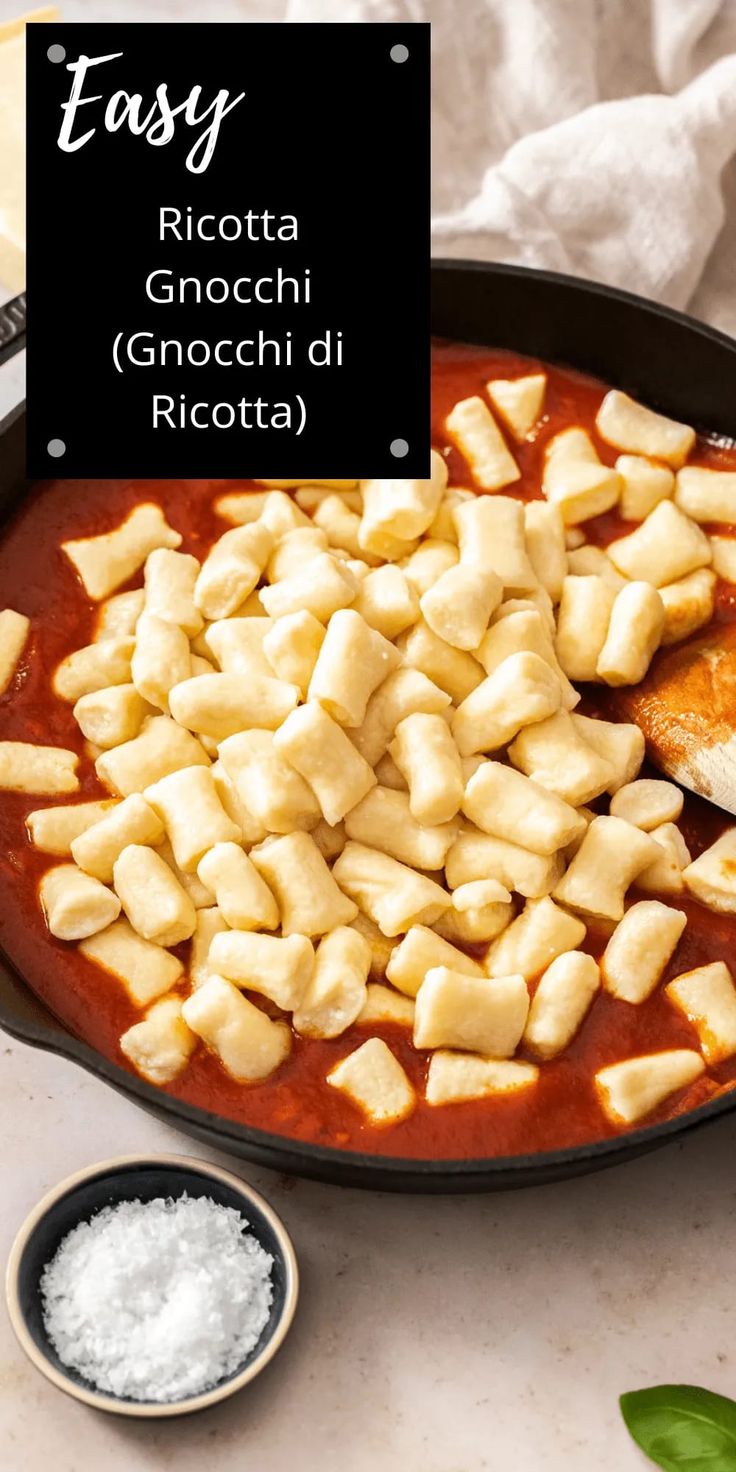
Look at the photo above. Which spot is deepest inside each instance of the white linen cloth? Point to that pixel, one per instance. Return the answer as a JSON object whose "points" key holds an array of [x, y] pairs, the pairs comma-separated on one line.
{"points": [[596, 137]]}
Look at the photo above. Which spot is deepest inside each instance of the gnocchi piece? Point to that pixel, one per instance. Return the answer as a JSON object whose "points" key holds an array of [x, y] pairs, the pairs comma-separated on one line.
{"points": [[453, 1078], [537, 601], [383, 1004], [14, 630], [159, 1046], [575, 480], [630, 426], [454, 670], [320, 588], [506, 804], [665, 547], [169, 579], [329, 840], [161, 748], [664, 876], [724, 557], [380, 946], [188, 805], [473, 1013], [243, 898], [387, 601], [406, 692], [156, 905], [523, 631], [458, 606], [534, 939], [299, 485], [252, 830], [632, 1089], [427, 563], [237, 644], [335, 993], [522, 690], [590, 561], [519, 401], [283, 514], [249, 1045], [400, 510], [560, 1003], [480, 911], [641, 946], [707, 997], [688, 604], [375, 1081], [118, 616], [98, 846], [647, 803], [74, 904], [644, 485], [391, 894], [43, 770], [146, 970], [475, 855], [618, 742], [555, 755], [201, 897], [480, 442], [544, 532], [706, 495], [383, 820], [294, 551], [634, 634], [426, 755], [340, 524], [711, 878], [443, 526], [220, 705], [291, 646], [420, 950], [611, 856], [277, 967], [110, 717], [325, 757], [308, 897], [104, 562], [94, 668], [582, 626], [388, 774], [267, 785], [490, 533], [231, 570], [53, 830], [352, 662], [210, 922]]}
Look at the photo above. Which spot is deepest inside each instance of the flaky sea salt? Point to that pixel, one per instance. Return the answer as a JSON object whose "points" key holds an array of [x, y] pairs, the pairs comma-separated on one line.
{"points": [[157, 1300]]}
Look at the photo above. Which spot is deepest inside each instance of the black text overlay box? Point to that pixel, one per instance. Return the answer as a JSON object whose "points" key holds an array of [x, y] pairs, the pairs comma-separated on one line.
{"points": [[228, 250]]}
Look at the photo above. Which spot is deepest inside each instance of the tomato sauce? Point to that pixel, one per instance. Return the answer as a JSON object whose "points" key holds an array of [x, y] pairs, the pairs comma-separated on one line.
{"points": [[562, 1109]]}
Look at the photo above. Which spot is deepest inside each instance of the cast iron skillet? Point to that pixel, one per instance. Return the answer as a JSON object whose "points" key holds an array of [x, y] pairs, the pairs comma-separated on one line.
{"points": [[673, 363]]}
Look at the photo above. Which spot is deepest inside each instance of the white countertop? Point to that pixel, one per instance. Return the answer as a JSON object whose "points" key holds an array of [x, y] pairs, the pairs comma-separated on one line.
{"points": [[447, 1334]]}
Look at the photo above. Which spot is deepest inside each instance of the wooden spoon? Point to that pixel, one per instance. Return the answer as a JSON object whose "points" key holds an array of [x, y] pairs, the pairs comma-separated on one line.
{"points": [[686, 708]]}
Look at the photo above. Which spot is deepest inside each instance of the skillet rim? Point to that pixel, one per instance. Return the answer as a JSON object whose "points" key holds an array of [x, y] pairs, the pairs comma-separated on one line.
{"points": [[328, 1163]]}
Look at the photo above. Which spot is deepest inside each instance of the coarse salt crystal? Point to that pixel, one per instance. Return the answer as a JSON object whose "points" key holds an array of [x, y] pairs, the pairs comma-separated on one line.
{"points": [[157, 1300]]}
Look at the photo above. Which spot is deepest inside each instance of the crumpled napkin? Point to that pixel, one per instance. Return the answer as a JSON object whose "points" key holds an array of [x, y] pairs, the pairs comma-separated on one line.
{"points": [[596, 137]]}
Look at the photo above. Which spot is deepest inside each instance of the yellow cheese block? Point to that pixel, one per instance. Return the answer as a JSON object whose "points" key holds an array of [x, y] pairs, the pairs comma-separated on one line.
{"points": [[13, 147]]}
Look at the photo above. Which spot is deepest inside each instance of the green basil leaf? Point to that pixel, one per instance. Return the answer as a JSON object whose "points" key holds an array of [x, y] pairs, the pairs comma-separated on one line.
{"points": [[683, 1427]]}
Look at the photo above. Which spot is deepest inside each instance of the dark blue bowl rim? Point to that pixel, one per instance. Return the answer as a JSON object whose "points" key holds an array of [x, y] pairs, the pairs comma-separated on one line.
{"points": [[118, 1167]]}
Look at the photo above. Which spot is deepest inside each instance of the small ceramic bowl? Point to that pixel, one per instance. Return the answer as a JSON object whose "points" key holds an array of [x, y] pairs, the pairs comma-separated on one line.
{"points": [[129, 1178]]}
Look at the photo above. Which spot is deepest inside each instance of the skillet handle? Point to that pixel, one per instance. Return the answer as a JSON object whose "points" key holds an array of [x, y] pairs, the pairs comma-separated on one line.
{"points": [[12, 327]]}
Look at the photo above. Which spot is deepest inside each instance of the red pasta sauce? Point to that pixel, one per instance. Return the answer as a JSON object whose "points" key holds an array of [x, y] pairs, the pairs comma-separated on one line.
{"points": [[562, 1109]]}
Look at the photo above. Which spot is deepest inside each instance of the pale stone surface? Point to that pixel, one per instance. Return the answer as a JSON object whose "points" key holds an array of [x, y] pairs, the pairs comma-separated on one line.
{"points": [[455, 1334]]}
